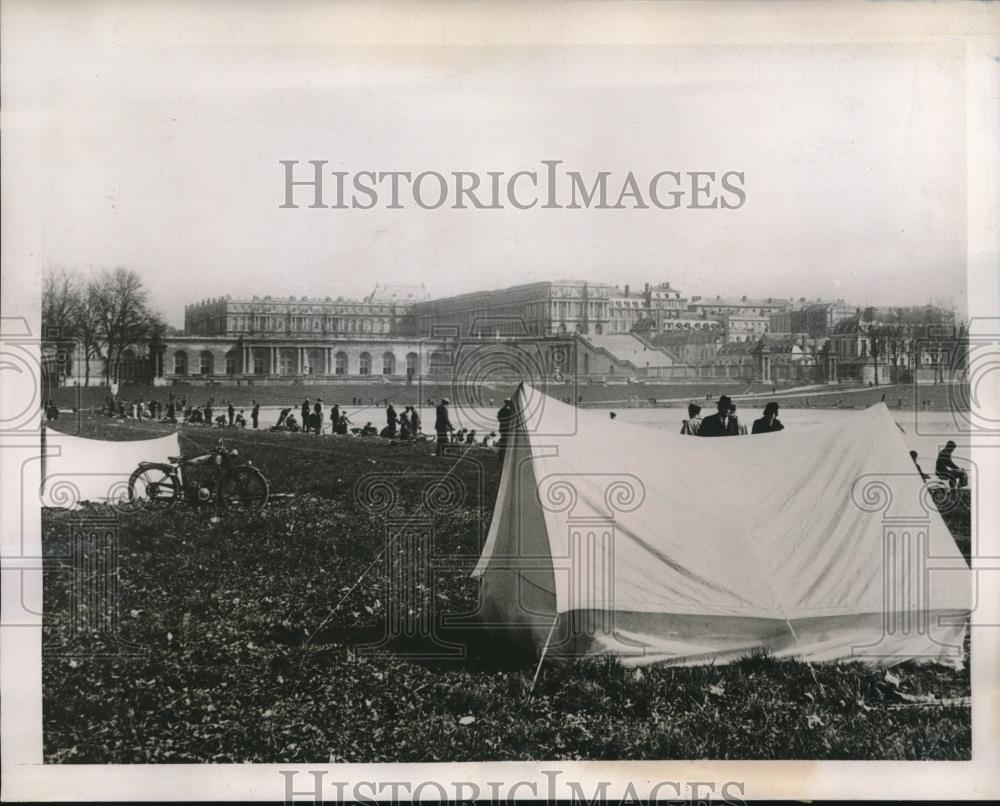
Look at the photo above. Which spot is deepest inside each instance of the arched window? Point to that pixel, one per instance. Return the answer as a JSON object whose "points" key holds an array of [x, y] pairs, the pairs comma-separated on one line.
{"points": [[388, 364], [340, 363], [440, 362], [207, 363], [412, 365], [180, 363], [365, 364], [287, 362], [231, 362]]}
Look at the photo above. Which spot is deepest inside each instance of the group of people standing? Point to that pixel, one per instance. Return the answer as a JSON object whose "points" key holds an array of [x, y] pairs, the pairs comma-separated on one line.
{"points": [[448, 435], [312, 418], [726, 423], [401, 426]]}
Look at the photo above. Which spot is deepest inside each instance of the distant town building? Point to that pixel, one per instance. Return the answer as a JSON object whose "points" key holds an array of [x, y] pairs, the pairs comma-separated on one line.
{"points": [[816, 319], [744, 328], [879, 345], [686, 324], [718, 307], [691, 346]]}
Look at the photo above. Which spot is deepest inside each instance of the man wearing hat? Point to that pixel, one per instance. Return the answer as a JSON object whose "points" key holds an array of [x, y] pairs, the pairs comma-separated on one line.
{"points": [[769, 422], [442, 425], [721, 424]]}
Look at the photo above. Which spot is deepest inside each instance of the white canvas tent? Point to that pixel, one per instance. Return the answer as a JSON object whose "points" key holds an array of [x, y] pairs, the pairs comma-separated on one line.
{"points": [[609, 538], [75, 469]]}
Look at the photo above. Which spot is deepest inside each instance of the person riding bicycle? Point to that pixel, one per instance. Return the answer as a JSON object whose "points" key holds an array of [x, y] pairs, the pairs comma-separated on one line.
{"points": [[947, 470]]}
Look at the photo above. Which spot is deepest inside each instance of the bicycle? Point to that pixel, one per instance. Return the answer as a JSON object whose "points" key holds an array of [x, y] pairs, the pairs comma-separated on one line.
{"points": [[218, 477]]}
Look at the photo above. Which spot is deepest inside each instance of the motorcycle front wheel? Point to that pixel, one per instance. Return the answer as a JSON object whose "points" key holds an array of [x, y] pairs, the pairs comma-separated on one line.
{"points": [[244, 489]]}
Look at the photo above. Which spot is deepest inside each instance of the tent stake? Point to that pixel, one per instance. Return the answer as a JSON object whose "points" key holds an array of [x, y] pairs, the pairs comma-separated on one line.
{"points": [[798, 643], [545, 649]]}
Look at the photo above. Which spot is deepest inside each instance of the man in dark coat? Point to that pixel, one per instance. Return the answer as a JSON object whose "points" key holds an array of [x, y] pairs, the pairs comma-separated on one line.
{"points": [[391, 420], [442, 426], [769, 422], [305, 413], [255, 414], [231, 412], [721, 424]]}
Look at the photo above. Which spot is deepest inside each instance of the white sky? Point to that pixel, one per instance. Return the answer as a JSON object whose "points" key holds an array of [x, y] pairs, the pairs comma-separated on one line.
{"points": [[165, 159]]}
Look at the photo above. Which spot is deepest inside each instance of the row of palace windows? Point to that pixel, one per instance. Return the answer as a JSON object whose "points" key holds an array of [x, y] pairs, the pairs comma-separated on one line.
{"points": [[288, 363], [299, 324]]}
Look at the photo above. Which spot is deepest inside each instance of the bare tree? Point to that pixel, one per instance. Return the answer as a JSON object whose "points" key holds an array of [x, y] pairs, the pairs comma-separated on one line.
{"points": [[118, 303], [62, 295]]}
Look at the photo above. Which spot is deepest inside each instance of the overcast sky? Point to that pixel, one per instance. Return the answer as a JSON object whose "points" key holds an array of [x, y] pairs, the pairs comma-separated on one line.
{"points": [[165, 159]]}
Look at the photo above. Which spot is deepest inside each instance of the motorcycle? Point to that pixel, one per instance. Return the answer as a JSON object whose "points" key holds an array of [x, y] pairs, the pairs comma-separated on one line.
{"points": [[220, 477]]}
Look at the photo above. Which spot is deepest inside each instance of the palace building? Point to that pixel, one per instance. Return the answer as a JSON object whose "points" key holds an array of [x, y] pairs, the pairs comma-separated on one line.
{"points": [[563, 328], [398, 333]]}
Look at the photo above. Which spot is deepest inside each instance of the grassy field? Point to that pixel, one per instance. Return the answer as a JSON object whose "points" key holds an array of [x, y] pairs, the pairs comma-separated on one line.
{"points": [[249, 637]]}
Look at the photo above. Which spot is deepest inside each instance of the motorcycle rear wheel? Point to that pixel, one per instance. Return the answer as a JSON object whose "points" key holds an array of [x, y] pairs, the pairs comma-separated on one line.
{"points": [[153, 486]]}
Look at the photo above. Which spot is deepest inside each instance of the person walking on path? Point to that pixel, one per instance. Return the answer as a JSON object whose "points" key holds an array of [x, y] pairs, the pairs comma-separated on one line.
{"points": [[255, 413]]}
